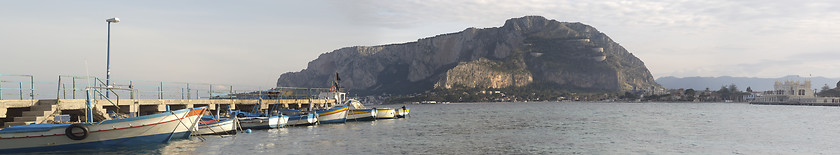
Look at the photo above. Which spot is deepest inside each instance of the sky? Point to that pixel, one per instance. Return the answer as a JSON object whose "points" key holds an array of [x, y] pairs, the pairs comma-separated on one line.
{"points": [[254, 42]]}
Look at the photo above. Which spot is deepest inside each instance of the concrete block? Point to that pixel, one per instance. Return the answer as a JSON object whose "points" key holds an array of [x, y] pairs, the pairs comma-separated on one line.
{"points": [[3, 111], [161, 107], [36, 113]]}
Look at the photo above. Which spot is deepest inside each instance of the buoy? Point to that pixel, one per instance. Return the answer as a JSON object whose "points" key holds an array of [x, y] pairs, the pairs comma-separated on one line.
{"points": [[247, 130]]}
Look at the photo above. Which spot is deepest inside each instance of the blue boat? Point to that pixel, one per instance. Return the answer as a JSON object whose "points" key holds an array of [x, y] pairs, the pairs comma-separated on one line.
{"points": [[149, 129]]}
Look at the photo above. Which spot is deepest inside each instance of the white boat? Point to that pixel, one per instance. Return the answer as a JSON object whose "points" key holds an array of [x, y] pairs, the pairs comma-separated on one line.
{"points": [[401, 112], [214, 126], [302, 119], [263, 122], [155, 128], [333, 115], [336, 114], [385, 113], [361, 115]]}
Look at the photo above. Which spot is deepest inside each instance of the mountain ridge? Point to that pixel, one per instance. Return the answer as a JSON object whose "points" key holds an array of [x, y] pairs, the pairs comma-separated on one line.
{"points": [[524, 51]]}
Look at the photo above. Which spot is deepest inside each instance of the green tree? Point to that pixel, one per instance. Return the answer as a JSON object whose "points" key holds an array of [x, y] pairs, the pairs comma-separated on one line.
{"points": [[689, 94], [749, 89], [733, 88]]}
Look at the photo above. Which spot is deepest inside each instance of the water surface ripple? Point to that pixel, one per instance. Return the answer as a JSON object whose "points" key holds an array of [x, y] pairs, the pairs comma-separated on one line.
{"points": [[553, 128]]}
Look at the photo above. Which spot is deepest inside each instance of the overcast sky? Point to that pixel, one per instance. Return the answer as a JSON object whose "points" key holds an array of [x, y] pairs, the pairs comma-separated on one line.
{"points": [[253, 42]]}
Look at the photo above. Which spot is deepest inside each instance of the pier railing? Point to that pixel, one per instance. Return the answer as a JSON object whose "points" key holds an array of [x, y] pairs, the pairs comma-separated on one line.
{"points": [[16, 85], [20, 87]]}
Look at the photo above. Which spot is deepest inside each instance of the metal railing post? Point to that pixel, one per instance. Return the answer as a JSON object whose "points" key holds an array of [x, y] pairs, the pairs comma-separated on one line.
{"points": [[31, 87], [131, 86], [160, 92], [58, 89], [20, 89], [74, 87]]}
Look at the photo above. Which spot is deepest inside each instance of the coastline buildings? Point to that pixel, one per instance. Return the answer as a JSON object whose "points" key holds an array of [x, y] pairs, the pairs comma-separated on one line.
{"points": [[794, 93]]}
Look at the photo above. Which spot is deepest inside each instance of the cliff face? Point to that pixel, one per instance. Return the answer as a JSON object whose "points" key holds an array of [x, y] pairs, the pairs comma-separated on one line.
{"points": [[526, 50], [484, 73]]}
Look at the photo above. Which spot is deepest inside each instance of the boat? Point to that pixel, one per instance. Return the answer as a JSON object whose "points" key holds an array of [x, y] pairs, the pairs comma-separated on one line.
{"points": [[358, 112], [336, 114], [149, 129], [333, 115], [302, 119], [269, 122], [211, 125], [361, 115], [401, 112], [385, 113]]}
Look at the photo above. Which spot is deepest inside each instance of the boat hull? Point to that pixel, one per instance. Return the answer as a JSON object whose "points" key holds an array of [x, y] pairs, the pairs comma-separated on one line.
{"points": [[385, 113], [401, 112], [226, 126], [333, 115], [302, 119], [156, 128], [262, 122], [361, 115]]}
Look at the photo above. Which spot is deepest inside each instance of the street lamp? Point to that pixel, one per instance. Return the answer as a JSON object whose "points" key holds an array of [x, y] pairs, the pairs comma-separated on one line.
{"points": [[108, 49]]}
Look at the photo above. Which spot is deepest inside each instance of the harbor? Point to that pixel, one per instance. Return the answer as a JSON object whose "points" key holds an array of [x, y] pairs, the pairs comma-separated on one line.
{"points": [[136, 98], [105, 118]]}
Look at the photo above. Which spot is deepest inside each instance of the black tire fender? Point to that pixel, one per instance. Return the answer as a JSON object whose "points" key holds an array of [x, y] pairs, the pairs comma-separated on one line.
{"points": [[69, 132]]}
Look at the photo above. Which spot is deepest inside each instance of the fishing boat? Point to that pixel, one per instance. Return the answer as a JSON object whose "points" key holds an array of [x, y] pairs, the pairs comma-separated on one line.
{"points": [[333, 115], [361, 115], [269, 122], [337, 114], [385, 113], [211, 125], [302, 119], [401, 112], [358, 112], [155, 128]]}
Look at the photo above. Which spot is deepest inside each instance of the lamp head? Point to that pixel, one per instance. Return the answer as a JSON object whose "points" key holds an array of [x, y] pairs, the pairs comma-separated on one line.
{"points": [[113, 20]]}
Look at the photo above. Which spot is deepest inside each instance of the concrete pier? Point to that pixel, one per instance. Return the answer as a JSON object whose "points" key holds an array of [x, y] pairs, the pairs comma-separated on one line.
{"points": [[21, 112]]}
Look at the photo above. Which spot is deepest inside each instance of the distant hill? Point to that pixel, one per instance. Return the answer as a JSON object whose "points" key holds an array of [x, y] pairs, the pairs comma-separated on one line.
{"points": [[526, 51], [757, 84]]}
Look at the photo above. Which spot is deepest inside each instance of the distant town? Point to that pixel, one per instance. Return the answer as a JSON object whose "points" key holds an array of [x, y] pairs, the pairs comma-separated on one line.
{"points": [[727, 93]]}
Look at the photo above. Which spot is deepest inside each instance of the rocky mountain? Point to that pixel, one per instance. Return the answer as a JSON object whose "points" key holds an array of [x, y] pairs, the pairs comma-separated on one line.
{"points": [[755, 83], [530, 50]]}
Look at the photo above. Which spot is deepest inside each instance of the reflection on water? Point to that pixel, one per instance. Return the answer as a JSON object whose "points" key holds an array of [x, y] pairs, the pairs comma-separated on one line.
{"points": [[550, 128]]}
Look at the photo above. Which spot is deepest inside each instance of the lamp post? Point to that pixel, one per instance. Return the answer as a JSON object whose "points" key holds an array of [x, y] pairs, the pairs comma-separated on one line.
{"points": [[108, 49]]}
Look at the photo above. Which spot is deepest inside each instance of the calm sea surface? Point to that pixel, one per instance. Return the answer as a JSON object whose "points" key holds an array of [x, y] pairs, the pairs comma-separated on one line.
{"points": [[548, 128]]}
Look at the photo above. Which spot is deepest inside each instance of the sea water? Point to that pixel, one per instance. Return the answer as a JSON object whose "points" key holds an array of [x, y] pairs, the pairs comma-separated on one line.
{"points": [[547, 128]]}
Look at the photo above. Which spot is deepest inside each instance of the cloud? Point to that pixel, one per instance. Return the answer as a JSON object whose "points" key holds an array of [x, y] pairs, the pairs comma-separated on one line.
{"points": [[673, 37]]}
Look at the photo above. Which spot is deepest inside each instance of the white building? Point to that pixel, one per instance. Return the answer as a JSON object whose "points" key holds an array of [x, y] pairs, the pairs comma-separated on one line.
{"points": [[793, 92]]}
